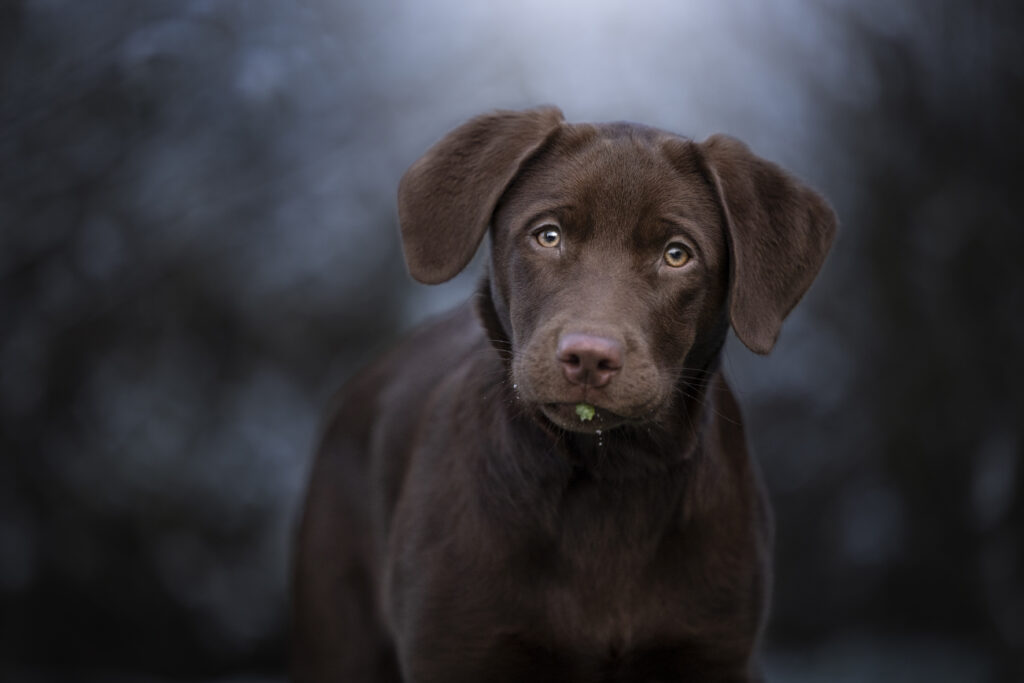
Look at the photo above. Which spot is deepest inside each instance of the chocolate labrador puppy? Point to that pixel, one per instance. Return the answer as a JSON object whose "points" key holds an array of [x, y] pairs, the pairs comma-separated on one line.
{"points": [[551, 483]]}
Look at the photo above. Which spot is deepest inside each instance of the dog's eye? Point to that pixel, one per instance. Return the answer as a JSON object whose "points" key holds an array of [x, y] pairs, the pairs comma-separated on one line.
{"points": [[549, 236], [676, 255]]}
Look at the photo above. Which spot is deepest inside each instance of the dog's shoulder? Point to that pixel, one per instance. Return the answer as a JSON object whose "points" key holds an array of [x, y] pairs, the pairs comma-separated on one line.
{"points": [[392, 389]]}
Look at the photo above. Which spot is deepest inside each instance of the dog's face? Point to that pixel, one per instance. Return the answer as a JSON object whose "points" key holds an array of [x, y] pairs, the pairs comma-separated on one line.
{"points": [[609, 263], [620, 253]]}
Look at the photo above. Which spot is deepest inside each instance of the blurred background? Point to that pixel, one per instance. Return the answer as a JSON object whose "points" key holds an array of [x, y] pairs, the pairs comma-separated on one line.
{"points": [[198, 244]]}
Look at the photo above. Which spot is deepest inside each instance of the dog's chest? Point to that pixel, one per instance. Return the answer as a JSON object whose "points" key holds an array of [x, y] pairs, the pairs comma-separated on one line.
{"points": [[598, 610], [605, 581], [606, 561]]}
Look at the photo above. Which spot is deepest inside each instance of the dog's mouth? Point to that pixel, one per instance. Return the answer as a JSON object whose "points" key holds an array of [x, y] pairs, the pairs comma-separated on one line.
{"points": [[582, 417]]}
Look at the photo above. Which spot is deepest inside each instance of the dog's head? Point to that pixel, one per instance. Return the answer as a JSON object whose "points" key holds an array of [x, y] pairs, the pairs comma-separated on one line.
{"points": [[620, 254]]}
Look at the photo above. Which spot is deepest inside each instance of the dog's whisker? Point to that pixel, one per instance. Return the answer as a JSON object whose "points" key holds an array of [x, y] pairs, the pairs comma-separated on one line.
{"points": [[702, 400]]}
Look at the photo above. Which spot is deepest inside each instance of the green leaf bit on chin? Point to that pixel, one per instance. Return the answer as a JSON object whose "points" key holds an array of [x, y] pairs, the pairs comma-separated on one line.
{"points": [[585, 411]]}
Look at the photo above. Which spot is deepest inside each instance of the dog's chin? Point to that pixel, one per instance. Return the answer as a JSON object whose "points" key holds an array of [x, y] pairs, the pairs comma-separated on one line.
{"points": [[566, 416]]}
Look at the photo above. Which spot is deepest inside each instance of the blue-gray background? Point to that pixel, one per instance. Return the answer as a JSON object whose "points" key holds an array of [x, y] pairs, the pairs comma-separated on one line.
{"points": [[199, 244]]}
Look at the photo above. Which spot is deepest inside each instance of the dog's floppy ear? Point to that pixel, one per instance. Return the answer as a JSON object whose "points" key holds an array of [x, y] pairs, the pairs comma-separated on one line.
{"points": [[779, 231], [445, 200]]}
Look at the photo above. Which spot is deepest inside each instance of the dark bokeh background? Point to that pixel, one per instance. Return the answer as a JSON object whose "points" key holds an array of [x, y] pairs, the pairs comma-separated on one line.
{"points": [[198, 244]]}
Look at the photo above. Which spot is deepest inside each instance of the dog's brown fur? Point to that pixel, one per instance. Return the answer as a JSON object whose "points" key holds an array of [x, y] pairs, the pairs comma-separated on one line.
{"points": [[462, 523]]}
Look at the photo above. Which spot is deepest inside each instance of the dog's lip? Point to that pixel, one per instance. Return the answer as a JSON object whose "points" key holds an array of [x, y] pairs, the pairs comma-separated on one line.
{"points": [[565, 416]]}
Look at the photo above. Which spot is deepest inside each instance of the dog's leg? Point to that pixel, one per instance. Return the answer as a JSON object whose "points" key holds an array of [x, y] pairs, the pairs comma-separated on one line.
{"points": [[336, 633]]}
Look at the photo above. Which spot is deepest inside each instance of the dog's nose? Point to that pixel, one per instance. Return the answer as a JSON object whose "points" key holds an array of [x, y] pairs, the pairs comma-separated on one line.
{"points": [[588, 359]]}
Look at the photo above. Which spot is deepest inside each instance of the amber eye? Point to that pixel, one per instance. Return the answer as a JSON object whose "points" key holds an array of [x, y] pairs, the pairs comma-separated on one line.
{"points": [[549, 236], [676, 255]]}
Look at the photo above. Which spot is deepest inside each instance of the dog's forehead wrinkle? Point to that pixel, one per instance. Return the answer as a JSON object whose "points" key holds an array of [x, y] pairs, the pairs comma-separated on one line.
{"points": [[623, 180]]}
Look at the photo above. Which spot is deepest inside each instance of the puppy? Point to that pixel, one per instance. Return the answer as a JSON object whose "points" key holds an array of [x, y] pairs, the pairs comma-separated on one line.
{"points": [[551, 483]]}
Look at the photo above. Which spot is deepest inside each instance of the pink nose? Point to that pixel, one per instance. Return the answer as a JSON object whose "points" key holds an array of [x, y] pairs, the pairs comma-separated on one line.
{"points": [[588, 359]]}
